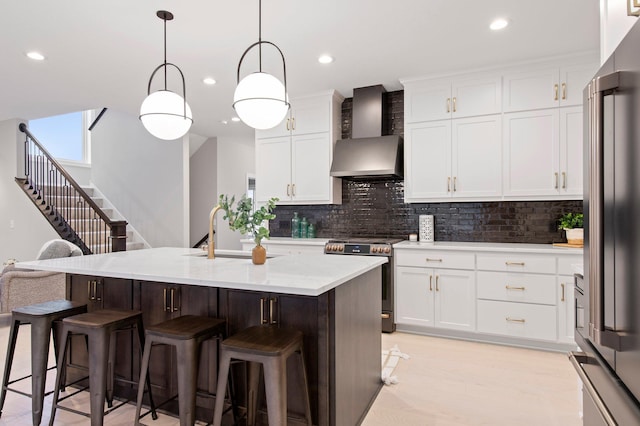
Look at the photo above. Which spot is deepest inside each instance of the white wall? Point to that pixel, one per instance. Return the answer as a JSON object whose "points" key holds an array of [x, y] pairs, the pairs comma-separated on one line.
{"points": [[30, 229], [203, 189], [614, 25], [81, 173], [236, 158], [144, 177]]}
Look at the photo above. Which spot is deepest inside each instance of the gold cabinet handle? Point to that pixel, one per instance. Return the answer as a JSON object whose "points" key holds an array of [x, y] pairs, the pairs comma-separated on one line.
{"points": [[564, 91], [510, 287], [430, 282], [272, 303], [556, 176], [454, 104], [437, 287], [555, 90], [165, 304], [293, 123], [97, 296], [288, 124], [293, 189], [564, 180], [455, 178], [448, 104], [385, 316], [562, 296], [448, 184], [429, 259], [263, 320], [175, 307], [520, 320], [288, 190], [508, 263], [89, 290]]}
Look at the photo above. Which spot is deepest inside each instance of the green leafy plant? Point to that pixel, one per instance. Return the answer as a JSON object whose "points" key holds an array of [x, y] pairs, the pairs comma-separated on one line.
{"points": [[571, 220], [243, 218]]}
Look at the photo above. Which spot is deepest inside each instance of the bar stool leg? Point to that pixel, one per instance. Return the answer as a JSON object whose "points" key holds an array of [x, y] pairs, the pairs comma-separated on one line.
{"points": [[144, 368], [141, 344], [187, 360], [11, 349], [111, 371], [98, 364], [305, 387], [253, 382], [40, 335], [225, 361], [275, 379], [60, 363]]}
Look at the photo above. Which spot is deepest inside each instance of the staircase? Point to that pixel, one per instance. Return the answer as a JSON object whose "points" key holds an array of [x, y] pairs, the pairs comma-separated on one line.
{"points": [[75, 212]]}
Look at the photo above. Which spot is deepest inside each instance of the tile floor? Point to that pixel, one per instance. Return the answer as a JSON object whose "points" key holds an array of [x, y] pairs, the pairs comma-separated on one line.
{"points": [[445, 382]]}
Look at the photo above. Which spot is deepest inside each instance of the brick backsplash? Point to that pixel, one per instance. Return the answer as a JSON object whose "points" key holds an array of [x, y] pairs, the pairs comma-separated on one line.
{"points": [[376, 208]]}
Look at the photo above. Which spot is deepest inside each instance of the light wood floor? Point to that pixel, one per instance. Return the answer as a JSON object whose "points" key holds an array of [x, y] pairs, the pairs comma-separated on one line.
{"points": [[446, 382]]}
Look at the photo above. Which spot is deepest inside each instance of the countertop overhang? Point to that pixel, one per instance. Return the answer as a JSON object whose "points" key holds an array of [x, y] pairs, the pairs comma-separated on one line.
{"points": [[305, 274]]}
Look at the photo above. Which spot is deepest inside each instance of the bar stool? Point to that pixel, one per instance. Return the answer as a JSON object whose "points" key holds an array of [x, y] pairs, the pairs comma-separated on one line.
{"points": [[99, 327], [42, 317], [271, 347], [186, 333]]}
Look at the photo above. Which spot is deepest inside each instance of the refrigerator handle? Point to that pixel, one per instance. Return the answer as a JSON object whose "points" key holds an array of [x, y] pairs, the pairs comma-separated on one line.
{"points": [[576, 359], [598, 88]]}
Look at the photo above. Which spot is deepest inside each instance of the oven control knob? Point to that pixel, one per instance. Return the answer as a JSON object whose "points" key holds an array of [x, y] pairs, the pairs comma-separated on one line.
{"points": [[340, 247], [329, 248], [332, 247], [387, 250], [374, 249]]}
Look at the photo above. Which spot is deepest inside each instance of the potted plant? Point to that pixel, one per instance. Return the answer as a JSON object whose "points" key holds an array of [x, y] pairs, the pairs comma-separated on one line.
{"points": [[248, 221], [573, 223]]}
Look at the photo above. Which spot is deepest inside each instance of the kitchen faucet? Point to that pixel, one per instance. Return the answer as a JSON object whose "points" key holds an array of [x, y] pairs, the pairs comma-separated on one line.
{"points": [[211, 245]]}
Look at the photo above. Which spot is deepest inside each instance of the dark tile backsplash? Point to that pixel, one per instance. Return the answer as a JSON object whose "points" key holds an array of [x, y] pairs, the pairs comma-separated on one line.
{"points": [[376, 208]]}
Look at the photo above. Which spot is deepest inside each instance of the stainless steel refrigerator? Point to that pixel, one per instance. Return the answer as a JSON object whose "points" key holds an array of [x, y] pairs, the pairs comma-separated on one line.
{"points": [[608, 293]]}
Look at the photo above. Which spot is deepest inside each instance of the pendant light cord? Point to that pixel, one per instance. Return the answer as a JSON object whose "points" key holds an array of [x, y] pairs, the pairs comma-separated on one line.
{"points": [[260, 35], [165, 53]]}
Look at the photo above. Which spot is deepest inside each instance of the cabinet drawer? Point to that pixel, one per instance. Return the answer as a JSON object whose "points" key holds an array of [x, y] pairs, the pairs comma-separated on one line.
{"points": [[565, 262], [517, 319], [516, 287], [435, 259], [540, 264]]}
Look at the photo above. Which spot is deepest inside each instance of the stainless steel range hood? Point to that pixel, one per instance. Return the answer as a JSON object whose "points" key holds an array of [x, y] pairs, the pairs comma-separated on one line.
{"points": [[368, 154]]}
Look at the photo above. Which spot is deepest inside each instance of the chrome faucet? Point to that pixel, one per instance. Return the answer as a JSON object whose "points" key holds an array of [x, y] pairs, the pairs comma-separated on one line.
{"points": [[211, 245]]}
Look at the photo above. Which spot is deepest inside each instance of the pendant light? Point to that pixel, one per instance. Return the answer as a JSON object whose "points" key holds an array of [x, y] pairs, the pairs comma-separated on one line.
{"points": [[260, 99], [165, 114]]}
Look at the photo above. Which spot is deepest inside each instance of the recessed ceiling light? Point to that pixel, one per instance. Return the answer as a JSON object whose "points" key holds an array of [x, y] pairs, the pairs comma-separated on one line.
{"points": [[235, 119], [209, 81], [325, 59], [499, 24], [36, 56]]}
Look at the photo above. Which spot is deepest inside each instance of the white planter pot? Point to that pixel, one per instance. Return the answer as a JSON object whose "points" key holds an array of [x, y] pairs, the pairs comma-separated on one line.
{"points": [[575, 236]]}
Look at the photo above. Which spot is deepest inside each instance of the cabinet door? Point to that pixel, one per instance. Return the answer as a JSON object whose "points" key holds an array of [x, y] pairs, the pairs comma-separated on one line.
{"points": [[282, 129], [531, 153], [428, 161], [455, 298], [310, 115], [426, 101], [573, 80], [566, 309], [477, 157], [414, 296], [310, 168], [476, 97], [531, 90], [571, 151], [273, 169]]}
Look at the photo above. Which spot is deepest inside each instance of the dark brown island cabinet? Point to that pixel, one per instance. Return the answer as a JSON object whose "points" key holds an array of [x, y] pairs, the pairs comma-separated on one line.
{"points": [[342, 341]]}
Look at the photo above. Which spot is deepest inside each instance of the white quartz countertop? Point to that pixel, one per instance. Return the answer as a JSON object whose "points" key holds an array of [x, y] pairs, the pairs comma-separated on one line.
{"points": [[489, 247], [289, 240], [305, 274]]}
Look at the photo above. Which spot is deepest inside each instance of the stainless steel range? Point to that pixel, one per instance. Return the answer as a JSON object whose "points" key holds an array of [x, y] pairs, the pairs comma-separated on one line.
{"points": [[373, 247]]}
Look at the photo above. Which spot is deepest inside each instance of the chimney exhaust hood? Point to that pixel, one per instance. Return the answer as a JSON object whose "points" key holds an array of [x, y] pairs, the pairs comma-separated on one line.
{"points": [[368, 154]]}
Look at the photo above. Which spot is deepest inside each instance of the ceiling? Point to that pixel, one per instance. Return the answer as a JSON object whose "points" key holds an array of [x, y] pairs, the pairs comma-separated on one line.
{"points": [[101, 54]]}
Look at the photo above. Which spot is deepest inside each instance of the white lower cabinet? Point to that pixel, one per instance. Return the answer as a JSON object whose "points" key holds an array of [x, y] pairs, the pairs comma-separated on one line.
{"points": [[443, 298], [566, 309], [513, 319]]}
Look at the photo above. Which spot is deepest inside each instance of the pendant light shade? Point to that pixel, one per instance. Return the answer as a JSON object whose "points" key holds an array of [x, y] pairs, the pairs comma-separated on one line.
{"points": [[260, 99], [165, 114]]}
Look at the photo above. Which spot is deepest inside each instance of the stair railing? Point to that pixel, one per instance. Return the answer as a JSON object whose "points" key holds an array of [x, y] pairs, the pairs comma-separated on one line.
{"points": [[74, 215]]}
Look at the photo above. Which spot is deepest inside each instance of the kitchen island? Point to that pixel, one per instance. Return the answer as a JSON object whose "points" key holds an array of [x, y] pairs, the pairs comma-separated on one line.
{"points": [[333, 300]]}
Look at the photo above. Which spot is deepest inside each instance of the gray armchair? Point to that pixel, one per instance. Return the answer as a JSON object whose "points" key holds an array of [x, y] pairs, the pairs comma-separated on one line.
{"points": [[21, 287]]}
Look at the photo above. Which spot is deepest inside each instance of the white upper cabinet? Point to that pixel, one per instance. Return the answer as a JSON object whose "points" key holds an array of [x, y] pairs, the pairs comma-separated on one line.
{"points": [[428, 100], [546, 88], [293, 159]]}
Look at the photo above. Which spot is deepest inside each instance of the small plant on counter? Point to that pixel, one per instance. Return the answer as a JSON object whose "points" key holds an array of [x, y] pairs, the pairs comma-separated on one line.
{"points": [[571, 221], [243, 218]]}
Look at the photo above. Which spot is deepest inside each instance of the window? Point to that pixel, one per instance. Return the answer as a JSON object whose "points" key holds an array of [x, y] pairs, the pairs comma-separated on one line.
{"points": [[65, 136]]}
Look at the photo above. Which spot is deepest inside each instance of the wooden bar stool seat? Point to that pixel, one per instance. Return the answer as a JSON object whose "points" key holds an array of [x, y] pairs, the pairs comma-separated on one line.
{"points": [[100, 327], [271, 347], [186, 333], [43, 318]]}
